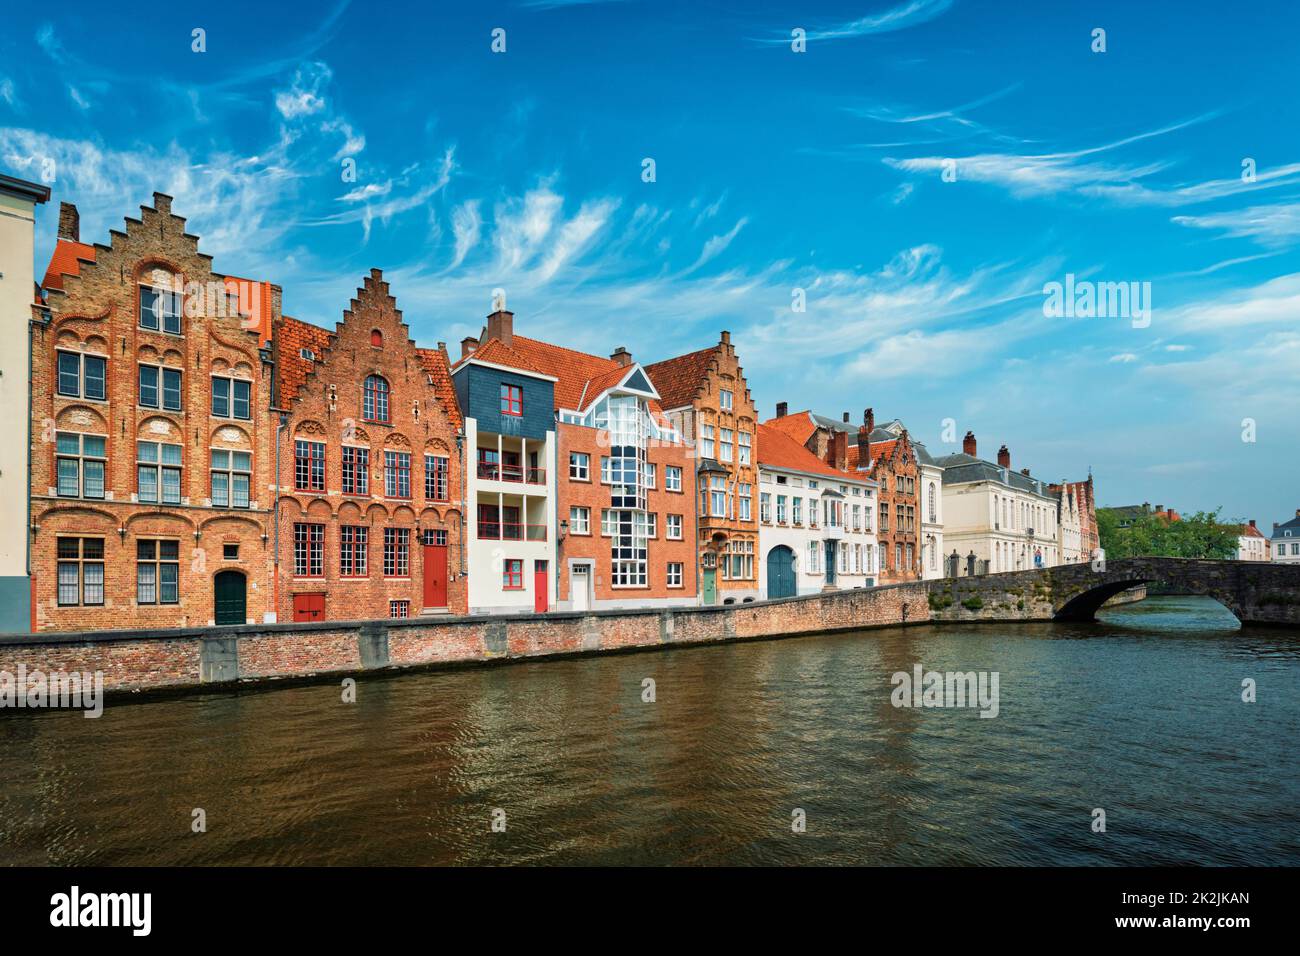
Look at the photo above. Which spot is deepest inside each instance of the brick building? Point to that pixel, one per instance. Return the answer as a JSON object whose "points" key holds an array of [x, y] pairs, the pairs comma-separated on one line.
{"points": [[150, 397], [706, 400], [371, 514], [582, 439]]}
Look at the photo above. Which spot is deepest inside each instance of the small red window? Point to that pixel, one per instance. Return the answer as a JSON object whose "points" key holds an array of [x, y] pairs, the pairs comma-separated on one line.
{"points": [[513, 575], [512, 400], [377, 338]]}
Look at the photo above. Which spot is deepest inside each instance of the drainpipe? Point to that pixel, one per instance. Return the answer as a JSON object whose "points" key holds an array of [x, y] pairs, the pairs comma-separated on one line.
{"points": [[284, 421]]}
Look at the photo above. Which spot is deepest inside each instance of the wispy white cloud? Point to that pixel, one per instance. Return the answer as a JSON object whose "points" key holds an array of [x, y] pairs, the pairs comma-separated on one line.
{"points": [[901, 17], [1274, 226], [466, 224], [8, 92], [306, 94]]}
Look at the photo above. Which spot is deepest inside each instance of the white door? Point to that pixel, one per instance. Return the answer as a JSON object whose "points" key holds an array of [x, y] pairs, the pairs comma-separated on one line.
{"points": [[579, 581]]}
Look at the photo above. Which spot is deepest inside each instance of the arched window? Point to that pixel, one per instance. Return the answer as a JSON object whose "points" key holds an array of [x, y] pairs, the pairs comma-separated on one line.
{"points": [[375, 403], [377, 338]]}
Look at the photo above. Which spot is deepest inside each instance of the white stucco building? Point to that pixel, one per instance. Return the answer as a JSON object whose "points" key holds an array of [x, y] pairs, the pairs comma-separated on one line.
{"points": [[1069, 524], [1285, 542], [816, 524], [1251, 543], [18, 202], [996, 519]]}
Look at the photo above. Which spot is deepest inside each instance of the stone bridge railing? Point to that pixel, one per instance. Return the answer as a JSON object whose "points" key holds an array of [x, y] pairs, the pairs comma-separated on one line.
{"points": [[1256, 592]]}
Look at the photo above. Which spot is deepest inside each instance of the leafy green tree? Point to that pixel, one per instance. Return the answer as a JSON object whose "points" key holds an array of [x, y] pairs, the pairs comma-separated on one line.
{"points": [[1199, 535]]}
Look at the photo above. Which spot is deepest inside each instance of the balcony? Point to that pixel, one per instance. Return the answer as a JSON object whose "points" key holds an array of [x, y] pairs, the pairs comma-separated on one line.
{"points": [[491, 471], [501, 531]]}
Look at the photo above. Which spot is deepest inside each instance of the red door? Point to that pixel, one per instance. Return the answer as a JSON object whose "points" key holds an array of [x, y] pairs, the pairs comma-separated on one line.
{"points": [[309, 607], [540, 587], [435, 575]]}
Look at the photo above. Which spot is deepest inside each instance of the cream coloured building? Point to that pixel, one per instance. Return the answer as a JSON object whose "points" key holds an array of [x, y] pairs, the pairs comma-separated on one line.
{"points": [[996, 519], [18, 202]]}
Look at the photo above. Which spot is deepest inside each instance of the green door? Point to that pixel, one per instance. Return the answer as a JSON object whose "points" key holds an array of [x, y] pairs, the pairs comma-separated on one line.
{"points": [[228, 588], [710, 585], [780, 572]]}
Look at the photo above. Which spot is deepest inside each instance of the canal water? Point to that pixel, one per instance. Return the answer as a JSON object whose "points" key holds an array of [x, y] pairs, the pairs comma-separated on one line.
{"points": [[1140, 715]]}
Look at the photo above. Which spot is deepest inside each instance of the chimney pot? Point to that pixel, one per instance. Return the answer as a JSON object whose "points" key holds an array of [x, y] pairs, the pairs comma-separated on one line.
{"points": [[467, 346], [782, 409], [622, 356], [69, 222], [1004, 457], [1252, 522], [846, 418], [1025, 472], [1159, 508], [726, 337], [968, 444]]}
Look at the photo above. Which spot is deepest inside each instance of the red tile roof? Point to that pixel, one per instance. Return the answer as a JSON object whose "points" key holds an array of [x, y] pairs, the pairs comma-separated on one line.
{"points": [[64, 262], [677, 380], [498, 353], [798, 426], [776, 449], [580, 378], [296, 335], [438, 366]]}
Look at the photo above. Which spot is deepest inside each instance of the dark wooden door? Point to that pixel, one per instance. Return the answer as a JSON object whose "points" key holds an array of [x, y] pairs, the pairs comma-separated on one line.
{"points": [[435, 575], [229, 598]]}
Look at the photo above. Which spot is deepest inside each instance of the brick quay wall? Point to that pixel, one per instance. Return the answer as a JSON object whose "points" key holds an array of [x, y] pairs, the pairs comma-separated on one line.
{"points": [[191, 657]]}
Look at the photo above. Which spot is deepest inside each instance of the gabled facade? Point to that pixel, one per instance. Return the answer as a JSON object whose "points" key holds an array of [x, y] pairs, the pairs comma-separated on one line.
{"points": [[707, 401], [151, 389], [371, 509], [816, 523], [1068, 519], [510, 487]]}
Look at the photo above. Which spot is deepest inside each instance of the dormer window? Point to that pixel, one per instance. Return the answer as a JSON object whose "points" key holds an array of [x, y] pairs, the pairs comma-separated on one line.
{"points": [[375, 399], [160, 309]]}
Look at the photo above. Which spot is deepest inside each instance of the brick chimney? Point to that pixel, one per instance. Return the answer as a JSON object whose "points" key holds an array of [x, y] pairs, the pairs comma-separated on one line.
{"points": [[838, 454], [1004, 457], [69, 222], [864, 436], [622, 356], [1252, 522], [782, 409], [1159, 508], [501, 325], [467, 346], [968, 444]]}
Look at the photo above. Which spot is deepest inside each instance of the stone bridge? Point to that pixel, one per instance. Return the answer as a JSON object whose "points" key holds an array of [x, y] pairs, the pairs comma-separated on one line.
{"points": [[1257, 592]]}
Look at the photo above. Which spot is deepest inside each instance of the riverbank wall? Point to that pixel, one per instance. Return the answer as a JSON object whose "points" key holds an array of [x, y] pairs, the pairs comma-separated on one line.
{"points": [[161, 659]]}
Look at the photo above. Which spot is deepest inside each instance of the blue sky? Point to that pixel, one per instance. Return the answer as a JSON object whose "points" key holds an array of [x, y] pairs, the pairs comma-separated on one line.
{"points": [[774, 171]]}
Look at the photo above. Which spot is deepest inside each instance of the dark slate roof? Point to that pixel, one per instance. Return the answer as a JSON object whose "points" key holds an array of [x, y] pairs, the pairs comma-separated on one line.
{"points": [[835, 423], [923, 455], [962, 468], [1293, 526]]}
